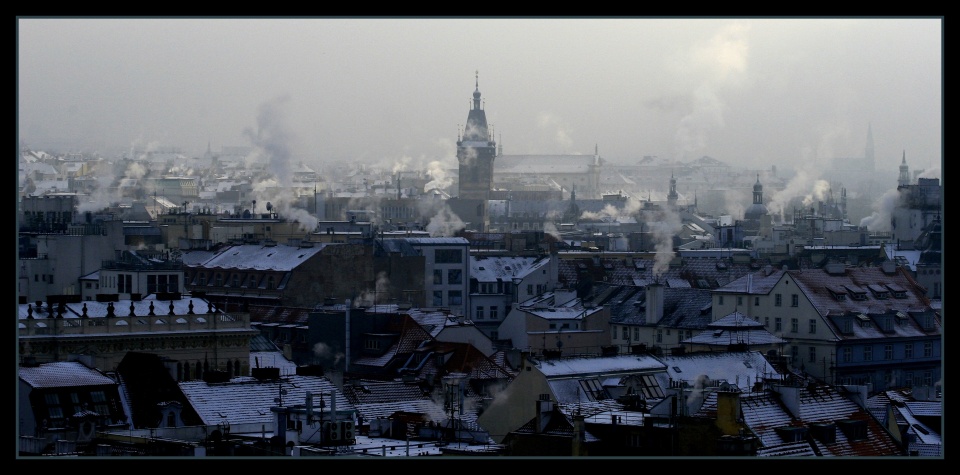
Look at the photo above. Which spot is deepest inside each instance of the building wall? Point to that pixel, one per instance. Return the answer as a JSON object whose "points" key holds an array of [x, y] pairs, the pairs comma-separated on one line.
{"points": [[516, 404]]}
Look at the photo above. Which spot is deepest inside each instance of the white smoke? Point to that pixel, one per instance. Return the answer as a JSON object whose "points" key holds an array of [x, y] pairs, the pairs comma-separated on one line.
{"points": [[880, 219], [555, 130], [273, 143], [438, 176], [376, 296], [445, 223], [722, 59], [666, 223], [323, 353], [608, 213]]}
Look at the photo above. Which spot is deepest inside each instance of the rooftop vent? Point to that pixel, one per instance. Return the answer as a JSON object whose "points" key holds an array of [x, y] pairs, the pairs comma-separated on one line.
{"points": [[265, 374]]}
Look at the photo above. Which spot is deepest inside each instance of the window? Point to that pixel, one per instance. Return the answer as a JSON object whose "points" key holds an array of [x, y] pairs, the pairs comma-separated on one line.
{"points": [[219, 280], [720, 300], [438, 277], [795, 352], [613, 331], [812, 357], [868, 353], [659, 336], [908, 350], [794, 325], [739, 300], [778, 324], [636, 333], [529, 289], [927, 378], [908, 379], [778, 300], [53, 406], [100, 402], [813, 325], [626, 333], [454, 276], [479, 312], [448, 256], [888, 352], [766, 322], [236, 280], [151, 284], [756, 301], [847, 355], [493, 312], [794, 300], [456, 297], [927, 349], [437, 298]]}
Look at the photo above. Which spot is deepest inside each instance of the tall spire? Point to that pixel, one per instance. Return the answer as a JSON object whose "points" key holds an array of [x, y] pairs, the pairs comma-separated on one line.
{"points": [[904, 179]]}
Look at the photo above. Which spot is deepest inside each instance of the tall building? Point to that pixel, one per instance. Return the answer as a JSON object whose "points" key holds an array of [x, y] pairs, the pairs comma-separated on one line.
{"points": [[476, 151]]}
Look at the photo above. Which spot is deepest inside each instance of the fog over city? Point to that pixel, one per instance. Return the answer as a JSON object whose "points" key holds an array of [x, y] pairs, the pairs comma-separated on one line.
{"points": [[795, 93]]}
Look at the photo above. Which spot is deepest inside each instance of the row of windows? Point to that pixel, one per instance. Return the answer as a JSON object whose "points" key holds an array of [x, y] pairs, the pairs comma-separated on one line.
{"points": [[794, 324], [777, 300], [236, 279], [888, 353], [454, 297], [625, 333], [494, 312], [909, 379], [454, 276]]}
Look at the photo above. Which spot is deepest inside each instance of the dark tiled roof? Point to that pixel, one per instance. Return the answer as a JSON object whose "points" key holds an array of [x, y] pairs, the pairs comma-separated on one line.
{"points": [[686, 308], [61, 375]]}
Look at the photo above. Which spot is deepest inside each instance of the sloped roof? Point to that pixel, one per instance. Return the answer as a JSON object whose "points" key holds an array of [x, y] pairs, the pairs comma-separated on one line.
{"points": [[683, 307], [493, 268], [699, 272], [738, 368], [735, 328], [279, 257], [815, 285], [248, 400], [543, 164], [62, 374], [369, 391], [601, 365]]}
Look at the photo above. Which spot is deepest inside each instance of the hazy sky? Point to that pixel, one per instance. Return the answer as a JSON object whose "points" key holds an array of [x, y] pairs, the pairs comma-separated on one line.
{"points": [[749, 92]]}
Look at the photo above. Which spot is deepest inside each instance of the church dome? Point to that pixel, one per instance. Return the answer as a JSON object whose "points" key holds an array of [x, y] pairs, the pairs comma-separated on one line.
{"points": [[755, 211]]}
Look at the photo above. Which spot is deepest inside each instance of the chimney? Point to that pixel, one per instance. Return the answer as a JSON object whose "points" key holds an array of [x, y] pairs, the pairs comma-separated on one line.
{"points": [[544, 409], [654, 303], [728, 412]]}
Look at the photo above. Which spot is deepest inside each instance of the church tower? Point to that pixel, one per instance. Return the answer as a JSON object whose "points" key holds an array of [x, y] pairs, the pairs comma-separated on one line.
{"points": [[672, 195], [476, 151], [904, 179]]}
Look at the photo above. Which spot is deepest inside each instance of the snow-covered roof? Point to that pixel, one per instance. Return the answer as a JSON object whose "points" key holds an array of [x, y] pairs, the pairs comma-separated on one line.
{"points": [[62, 374], [248, 400], [278, 257], [491, 269], [603, 365]]}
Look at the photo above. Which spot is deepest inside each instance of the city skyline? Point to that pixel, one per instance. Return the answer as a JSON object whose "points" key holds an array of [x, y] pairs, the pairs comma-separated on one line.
{"points": [[394, 92]]}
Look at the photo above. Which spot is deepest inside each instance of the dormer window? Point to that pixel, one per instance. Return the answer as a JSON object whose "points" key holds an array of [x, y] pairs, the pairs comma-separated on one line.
{"points": [[879, 292]]}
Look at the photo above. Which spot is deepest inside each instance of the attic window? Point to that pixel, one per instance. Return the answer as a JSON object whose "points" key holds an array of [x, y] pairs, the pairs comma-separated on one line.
{"points": [[677, 369]]}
